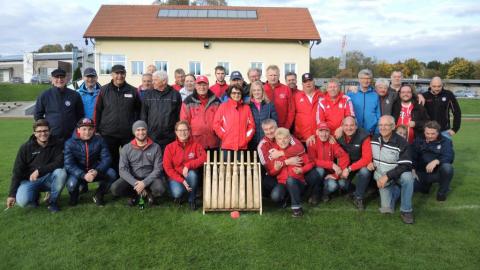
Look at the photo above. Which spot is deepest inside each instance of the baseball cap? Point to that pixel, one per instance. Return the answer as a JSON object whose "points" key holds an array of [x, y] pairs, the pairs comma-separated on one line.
{"points": [[307, 77], [85, 122], [90, 72], [236, 75], [201, 79]]}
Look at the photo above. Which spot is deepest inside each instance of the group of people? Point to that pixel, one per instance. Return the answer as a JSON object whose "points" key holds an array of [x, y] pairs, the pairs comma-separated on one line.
{"points": [[141, 142]]}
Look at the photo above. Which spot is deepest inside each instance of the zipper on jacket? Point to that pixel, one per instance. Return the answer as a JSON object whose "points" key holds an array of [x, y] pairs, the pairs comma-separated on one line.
{"points": [[86, 156]]}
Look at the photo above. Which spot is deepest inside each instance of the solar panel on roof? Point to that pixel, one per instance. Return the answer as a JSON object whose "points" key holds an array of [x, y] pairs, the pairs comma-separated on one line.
{"points": [[208, 13]]}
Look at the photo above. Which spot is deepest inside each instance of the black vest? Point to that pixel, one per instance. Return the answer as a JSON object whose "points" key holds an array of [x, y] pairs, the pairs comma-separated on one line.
{"points": [[354, 147]]}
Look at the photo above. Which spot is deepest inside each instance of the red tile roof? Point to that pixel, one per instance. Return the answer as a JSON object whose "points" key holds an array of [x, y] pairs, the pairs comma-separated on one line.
{"points": [[142, 21]]}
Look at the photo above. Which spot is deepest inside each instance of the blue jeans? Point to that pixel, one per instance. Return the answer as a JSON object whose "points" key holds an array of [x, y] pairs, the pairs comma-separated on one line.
{"points": [[362, 178], [294, 188], [443, 174], [331, 185], [73, 183], [178, 189], [28, 191], [391, 193]]}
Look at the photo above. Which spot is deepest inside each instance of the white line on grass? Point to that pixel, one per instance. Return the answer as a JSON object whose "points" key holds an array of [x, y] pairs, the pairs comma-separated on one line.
{"points": [[322, 208]]}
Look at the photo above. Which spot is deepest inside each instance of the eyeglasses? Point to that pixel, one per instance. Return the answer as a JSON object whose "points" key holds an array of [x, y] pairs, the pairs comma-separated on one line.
{"points": [[42, 131], [235, 93]]}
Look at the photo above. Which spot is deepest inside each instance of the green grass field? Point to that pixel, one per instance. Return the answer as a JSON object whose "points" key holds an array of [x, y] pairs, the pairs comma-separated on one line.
{"points": [[330, 236], [21, 92]]}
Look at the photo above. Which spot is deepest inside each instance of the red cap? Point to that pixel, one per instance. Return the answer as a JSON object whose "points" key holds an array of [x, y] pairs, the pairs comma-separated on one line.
{"points": [[201, 79], [323, 126]]}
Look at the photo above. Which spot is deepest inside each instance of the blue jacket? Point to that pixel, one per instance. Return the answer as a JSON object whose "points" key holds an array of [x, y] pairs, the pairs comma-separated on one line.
{"points": [[423, 152], [267, 110], [367, 109], [81, 156], [62, 109], [88, 99]]}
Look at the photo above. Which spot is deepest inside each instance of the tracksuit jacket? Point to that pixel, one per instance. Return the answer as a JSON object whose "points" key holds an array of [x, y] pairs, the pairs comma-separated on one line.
{"points": [[423, 152], [334, 111], [367, 108], [89, 99], [219, 89], [305, 124], [62, 108], [282, 98], [31, 156], [201, 118], [161, 111], [234, 125], [439, 107], [287, 170], [324, 154], [140, 163], [390, 158], [116, 109], [266, 145], [178, 155], [81, 156]]}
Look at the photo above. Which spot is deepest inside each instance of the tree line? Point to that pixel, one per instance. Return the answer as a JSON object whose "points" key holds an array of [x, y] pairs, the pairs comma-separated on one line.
{"points": [[457, 68]]}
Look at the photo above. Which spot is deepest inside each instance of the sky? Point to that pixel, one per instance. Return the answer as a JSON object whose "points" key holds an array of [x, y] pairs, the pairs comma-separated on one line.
{"points": [[386, 30]]}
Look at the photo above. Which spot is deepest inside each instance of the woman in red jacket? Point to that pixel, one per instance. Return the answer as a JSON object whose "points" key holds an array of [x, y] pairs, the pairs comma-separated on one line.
{"points": [[181, 161], [233, 122], [290, 178]]}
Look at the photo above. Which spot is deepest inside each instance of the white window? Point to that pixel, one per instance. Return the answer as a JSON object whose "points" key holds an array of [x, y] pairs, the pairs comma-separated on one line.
{"points": [[161, 65], [195, 67], [137, 67], [225, 65], [107, 61], [258, 65], [290, 67]]}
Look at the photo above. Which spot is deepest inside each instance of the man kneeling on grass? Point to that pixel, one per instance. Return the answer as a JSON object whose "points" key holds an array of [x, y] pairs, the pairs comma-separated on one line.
{"points": [[291, 178], [324, 154], [38, 167], [140, 168], [392, 166], [88, 160]]}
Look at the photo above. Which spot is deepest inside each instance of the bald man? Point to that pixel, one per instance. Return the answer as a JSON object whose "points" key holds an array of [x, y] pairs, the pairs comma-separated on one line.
{"points": [[439, 103]]}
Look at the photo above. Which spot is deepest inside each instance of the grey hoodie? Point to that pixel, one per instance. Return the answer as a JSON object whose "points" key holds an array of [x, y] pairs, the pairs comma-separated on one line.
{"points": [[140, 163]]}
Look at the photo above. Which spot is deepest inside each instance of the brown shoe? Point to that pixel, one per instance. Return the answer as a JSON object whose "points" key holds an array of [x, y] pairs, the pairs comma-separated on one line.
{"points": [[407, 217]]}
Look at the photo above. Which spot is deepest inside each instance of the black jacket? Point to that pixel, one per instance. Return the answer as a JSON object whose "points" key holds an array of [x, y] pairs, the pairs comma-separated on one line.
{"points": [[439, 107], [31, 156], [161, 111], [419, 115], [62, 108], [423, 152], [116, 109]]}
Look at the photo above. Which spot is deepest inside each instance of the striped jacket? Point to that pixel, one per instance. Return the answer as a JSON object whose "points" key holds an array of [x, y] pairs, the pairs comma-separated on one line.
{"points": [[390, 158]]}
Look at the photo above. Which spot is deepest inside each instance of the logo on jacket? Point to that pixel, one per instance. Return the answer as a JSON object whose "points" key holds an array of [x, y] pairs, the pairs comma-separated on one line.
{"points": [[444, 99], [340, 106], [301, 100], [439, 147], [282, 96], [68, 103], [387, 101], [191, 155]]}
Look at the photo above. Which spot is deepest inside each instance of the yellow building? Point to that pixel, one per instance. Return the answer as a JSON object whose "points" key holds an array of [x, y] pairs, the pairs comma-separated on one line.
{"points": [[199, 38]]}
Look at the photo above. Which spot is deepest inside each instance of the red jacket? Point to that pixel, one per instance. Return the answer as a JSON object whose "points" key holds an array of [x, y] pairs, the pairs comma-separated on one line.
{"points": [[287, 171], [177, 87], [323, 154], [219, 89], [333, 111], [200, 117], [305, 124], [234, 125], [282, 98], [178, 155], [266, 145]]}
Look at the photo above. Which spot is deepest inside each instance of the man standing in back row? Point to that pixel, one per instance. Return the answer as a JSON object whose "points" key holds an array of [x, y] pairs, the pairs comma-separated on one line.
{"points": [[439, 103], [117, 108]]}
